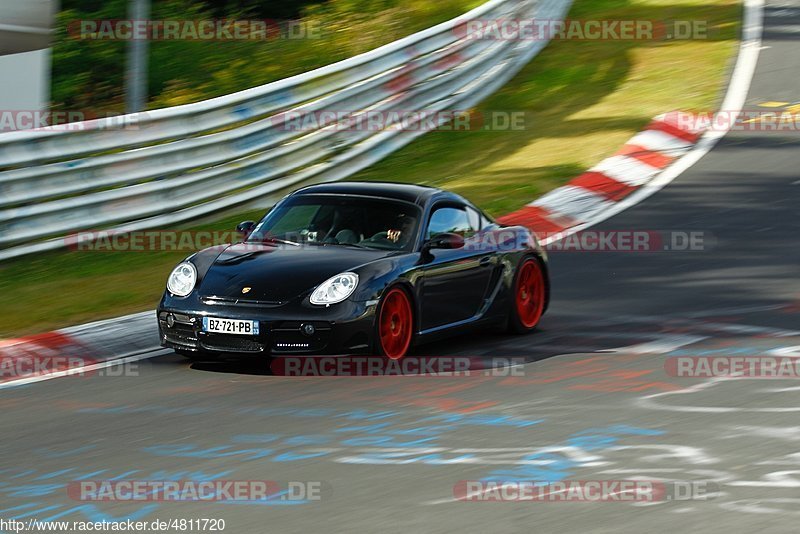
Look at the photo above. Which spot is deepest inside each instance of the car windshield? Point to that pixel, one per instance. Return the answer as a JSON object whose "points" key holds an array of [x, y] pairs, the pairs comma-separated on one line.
{"points": [[340, 220]]}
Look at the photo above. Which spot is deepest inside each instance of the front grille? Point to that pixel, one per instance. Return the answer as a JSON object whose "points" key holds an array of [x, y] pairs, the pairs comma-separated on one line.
{"points": [[178, 338], [225, 343], [251, 303], [294, 326], [181, 333]]}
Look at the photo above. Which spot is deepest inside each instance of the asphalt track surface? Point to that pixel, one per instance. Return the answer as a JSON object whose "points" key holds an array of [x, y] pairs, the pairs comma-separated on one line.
{"points": [[593, 400]]}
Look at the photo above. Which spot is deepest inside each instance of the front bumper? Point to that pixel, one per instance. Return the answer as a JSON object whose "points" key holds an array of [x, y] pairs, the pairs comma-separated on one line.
{"points": [[344, 328]]}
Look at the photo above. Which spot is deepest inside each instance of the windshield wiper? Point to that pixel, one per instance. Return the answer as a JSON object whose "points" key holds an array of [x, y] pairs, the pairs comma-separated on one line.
{"points": [[357, 245], [270, 239]]}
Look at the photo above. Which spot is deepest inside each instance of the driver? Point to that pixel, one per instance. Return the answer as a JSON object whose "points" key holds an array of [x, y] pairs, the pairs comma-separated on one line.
{"points": [[399, 233]]}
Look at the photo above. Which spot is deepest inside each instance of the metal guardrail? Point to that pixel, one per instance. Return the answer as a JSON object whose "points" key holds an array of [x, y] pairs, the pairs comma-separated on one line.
{"points": [[188, 161]]}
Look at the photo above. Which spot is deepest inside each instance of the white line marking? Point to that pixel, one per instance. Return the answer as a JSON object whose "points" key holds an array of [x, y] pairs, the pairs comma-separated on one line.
{"points": [[125, 358], [741, 78], [664, 345], [648, 402]]}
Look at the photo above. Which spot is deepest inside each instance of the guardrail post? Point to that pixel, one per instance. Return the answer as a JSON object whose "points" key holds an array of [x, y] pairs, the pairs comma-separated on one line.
{"points": [[136, 78]]}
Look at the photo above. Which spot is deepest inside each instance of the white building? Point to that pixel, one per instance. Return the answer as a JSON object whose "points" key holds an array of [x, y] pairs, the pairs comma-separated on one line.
{"points": [[25, 34]]}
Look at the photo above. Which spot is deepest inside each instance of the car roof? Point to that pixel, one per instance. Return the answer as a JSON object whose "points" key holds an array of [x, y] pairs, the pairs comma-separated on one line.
{"points": [[417, 194]]}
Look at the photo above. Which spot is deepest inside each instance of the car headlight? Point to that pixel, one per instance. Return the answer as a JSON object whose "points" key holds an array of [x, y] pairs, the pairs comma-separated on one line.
{"points": [[335, 289], [182, 279]]}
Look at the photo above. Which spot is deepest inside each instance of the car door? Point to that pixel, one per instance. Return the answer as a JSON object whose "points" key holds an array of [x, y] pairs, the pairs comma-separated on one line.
{"points": [[454, 282]]}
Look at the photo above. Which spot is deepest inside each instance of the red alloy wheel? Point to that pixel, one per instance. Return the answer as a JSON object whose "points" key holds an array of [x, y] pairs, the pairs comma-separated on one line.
{"points": [[395, 324], [529, 293]]}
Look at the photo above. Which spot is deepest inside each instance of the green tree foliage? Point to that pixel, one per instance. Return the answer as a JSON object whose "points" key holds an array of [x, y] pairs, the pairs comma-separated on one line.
{"points": [[89, 74]]}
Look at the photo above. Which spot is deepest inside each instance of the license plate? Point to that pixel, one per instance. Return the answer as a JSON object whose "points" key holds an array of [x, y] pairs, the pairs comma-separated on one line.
{"points": [[230, 326]]}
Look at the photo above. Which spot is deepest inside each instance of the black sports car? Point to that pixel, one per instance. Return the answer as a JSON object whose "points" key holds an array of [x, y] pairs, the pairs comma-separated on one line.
{"points": [[350, 268]]}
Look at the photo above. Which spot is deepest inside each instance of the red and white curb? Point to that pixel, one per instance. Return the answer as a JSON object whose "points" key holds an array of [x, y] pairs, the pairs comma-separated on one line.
{"points": [[78, 350], [603, 186]]}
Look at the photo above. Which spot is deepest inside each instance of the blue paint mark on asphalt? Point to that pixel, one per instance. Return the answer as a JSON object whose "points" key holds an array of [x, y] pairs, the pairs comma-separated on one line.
{"points": [[367, 416], [356, 428], [34, 490], [308, 440], [56, 473], [294, 412], [385, 441], [60, 454], [125, 475], [93, 514], [89, 511], [255, 438], [20, 507], [485, 420], [554, 466], [24, 473], [194, 451], [37, 512], [292, 456], [369, 429], [200, 476]]}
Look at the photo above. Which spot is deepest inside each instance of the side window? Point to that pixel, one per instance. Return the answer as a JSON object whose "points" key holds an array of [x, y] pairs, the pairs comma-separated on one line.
{"points": [[454, 220], [474, 219]]}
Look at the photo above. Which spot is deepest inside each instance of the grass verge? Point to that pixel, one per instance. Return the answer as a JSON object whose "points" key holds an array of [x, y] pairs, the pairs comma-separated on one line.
{"points": [[581, 99]]}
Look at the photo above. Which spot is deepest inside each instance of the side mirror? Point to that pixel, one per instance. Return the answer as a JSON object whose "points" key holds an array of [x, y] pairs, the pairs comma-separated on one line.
{"points": [[245, 228], [444, 241]]}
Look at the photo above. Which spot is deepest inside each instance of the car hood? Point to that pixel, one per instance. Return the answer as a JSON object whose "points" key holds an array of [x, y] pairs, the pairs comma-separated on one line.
{"points": [[279, 273]]}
